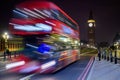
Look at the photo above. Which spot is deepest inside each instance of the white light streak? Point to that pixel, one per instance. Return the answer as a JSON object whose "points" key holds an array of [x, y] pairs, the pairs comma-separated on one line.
{"points": [[44, 27], [50, 23], [30, 69], [47, 12], [47, 65], [32, 46], [37, 27], [55, 12], [20, 13], [15, 64], [13, 24], [27, 28], [41, 12], [33, 13], [27, 13]]}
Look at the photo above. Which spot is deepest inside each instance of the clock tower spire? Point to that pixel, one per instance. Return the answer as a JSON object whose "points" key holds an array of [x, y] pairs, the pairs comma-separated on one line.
{"points": [[91, 29]]}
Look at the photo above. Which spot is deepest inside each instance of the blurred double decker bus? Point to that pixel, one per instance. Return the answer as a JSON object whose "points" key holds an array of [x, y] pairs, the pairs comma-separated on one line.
{"points": [[51, 36]]}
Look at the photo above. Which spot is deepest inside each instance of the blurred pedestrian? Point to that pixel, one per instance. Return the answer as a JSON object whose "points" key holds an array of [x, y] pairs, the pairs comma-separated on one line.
{"points": [[107, 54], [8, 53], [111, 56], [4, 55], [115, 56], [102, 53], [99, 54]]}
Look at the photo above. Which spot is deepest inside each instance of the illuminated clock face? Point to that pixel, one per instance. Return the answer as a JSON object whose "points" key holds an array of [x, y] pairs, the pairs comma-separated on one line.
{"points": [[90, 24]]}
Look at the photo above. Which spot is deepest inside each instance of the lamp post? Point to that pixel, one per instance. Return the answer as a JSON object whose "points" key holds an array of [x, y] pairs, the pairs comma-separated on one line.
{"points": [[6, 36]]}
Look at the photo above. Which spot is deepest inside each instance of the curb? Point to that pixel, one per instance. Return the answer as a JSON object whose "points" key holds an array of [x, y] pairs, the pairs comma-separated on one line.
{"points": [[87, 69]]}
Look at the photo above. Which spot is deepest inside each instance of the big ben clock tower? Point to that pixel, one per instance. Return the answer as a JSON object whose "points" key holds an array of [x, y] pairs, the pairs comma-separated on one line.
{"points": [[91, 30]]}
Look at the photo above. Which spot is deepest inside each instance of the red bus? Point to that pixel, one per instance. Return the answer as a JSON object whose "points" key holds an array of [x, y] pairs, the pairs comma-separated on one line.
{"points": [[51, 36]]}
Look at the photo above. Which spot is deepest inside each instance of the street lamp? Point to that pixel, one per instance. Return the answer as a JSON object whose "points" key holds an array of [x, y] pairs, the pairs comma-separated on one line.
{"points": [[6, 36]]}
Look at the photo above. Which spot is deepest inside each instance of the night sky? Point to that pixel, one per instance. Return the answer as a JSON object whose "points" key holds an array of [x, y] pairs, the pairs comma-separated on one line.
{"points": [[105, 12]]}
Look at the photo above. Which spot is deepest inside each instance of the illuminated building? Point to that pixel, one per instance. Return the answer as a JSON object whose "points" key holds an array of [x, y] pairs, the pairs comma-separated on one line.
{"points": [[91, 30], [2, 44], [14, 44]]}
